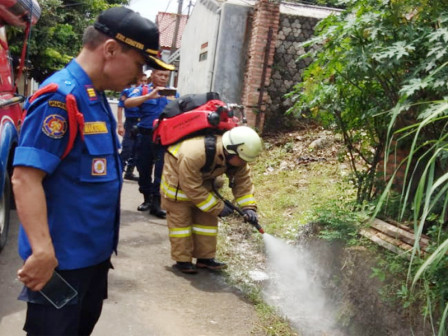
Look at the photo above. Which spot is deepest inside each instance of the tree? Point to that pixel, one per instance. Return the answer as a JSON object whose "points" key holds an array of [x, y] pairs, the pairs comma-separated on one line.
{"points": [[367, 61], [56, 38], [379, 78]]}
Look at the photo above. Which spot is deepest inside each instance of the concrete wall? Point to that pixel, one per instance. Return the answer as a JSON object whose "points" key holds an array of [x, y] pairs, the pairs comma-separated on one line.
{"points": [[223, 73], [195, 76], [231, 53]]}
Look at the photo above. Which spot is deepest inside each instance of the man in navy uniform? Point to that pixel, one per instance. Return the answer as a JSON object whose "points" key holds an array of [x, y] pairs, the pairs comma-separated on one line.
{"points": [[149, 155], [68, 176], [128, 130]]}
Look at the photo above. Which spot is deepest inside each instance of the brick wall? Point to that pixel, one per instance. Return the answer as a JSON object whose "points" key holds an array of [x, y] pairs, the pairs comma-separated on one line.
{"points": [[282, 69], [265, 17], [394, 159]]}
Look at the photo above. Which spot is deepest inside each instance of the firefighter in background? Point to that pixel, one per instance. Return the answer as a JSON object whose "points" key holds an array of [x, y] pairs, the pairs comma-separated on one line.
{"points": [[192, 208], [128, 130], [149, 155]]}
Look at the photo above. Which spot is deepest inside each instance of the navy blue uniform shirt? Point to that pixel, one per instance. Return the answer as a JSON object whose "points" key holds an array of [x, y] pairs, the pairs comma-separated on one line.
{"points": [[82, 190], [129, 112]]}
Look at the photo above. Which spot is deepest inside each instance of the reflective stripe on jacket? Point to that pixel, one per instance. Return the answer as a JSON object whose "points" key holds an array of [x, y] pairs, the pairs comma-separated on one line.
{"points": [[183, 180]]}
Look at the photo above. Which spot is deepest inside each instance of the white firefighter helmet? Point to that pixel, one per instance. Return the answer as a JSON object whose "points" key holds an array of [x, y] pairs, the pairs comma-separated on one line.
{"points": [[242, 141]]}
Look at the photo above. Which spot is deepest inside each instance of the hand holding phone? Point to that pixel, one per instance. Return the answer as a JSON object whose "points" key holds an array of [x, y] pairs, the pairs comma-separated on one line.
{"points": [[58, 291], [167, 92]]}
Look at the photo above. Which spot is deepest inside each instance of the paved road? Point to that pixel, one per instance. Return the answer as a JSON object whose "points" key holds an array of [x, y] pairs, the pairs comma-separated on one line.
{"points": [[146, 296]]}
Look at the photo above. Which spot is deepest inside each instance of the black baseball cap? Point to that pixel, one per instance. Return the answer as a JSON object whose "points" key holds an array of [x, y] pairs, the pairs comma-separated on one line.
{"points": [[130, 28]]}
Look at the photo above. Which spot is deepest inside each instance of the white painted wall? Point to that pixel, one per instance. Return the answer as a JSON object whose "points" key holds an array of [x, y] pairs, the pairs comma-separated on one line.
{"points": [[202, 27], [230, 60]]}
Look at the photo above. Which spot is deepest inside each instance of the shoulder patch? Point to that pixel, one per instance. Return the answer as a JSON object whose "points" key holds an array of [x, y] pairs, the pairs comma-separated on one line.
{"points": [[57, 103], [54, 126]]}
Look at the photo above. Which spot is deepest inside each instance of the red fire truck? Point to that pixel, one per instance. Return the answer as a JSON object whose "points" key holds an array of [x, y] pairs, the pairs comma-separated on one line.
{"points": [[21, 13]]}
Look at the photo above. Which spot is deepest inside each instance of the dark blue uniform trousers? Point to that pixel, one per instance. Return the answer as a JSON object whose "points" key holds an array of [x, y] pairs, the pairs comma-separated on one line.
{"points": [[149, 157], [79, 316], [129, 144]]}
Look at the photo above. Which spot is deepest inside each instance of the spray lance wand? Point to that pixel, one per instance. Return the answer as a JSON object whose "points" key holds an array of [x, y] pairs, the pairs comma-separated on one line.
{"points": [[238, 210]]}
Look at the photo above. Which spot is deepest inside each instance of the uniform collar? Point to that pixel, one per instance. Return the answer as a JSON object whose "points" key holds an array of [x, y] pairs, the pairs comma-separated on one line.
{"points": [[81, 76]]}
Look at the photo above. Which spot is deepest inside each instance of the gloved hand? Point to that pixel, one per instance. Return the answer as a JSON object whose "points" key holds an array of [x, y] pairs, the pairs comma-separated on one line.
{"points": [[226, 211], [251, 216]]}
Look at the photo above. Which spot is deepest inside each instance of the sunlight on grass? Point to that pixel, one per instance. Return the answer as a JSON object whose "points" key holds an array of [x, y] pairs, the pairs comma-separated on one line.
{"points": [[285, 197]]}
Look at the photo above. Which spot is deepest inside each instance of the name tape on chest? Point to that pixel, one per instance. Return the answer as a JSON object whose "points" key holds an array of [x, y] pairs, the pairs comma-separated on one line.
{"points": [[95, 127]]}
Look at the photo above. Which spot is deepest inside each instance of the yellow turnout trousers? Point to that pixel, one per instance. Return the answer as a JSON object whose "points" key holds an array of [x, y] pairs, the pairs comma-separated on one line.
{"points": [[192, 232]]}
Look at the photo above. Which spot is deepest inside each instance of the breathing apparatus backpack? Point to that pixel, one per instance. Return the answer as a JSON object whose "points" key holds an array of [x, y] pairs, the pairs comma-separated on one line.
{"points": [[192, 115]]}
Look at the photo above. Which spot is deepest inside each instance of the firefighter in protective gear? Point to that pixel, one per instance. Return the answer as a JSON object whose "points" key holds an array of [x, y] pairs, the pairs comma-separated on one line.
{"points": [[186, 188]]}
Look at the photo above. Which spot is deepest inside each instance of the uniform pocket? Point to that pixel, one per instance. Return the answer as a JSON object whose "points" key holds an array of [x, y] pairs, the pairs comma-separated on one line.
{"points": [[99, 162]]}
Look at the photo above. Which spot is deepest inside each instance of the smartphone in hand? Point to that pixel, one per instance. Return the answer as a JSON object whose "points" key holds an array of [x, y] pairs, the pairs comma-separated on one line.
{"points": [[167, 92], [58, 291]]}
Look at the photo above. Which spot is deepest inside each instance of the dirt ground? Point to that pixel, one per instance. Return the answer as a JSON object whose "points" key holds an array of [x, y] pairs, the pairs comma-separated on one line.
{"points": [[146, 297]]}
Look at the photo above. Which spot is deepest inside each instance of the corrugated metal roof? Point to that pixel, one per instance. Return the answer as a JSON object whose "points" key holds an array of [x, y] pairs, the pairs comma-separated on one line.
{"points": [[167, 24]]}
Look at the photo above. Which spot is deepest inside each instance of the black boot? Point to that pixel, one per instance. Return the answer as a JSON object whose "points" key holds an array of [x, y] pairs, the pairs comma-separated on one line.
{"points": [[155, 208], [146, 205], [211, 264], [185, 267], [129, 173]]}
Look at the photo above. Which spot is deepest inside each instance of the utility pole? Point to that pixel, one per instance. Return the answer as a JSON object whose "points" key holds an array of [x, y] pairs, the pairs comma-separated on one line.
{"points": [[176, 28], [189, 8]]}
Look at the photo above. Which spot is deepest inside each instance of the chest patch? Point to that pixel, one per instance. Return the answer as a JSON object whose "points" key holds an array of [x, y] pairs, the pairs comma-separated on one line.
{"points": [[54, 126], [99, 166], [95, 127]]}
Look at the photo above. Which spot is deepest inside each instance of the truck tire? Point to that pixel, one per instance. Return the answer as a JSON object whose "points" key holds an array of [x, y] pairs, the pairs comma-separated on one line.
{"points": [[4, 212]]}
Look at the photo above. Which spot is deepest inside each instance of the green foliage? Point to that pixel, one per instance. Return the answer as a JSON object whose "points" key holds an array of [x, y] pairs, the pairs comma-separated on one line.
{"points": [[340, 221], [379, 76], [378, 273], [371, 64], [391, 271], [56, 38]]}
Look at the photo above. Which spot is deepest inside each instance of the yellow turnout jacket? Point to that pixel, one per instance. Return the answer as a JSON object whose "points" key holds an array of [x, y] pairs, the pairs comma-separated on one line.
{"points": [[182, 179]]}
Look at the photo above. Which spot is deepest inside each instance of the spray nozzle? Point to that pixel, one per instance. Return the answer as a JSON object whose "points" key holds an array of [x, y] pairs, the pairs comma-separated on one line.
{"points": [[259, 228], [254, 224]]}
